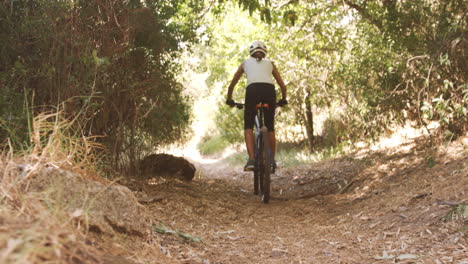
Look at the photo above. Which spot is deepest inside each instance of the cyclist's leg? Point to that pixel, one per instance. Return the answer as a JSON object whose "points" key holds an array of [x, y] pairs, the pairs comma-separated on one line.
{"points": [[271, 136], [249, 119], [270, 98], [250, 143]]}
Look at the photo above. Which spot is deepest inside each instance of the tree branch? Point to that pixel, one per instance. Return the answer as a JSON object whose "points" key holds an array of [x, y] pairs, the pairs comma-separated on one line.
{"points": [[362, 10]]}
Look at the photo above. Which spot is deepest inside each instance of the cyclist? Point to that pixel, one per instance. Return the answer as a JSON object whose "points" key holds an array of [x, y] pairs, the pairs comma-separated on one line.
{"points": [[259, 72]]}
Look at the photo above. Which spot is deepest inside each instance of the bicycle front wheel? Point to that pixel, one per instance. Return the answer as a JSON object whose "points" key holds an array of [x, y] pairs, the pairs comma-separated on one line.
{"points": [[256, 182], [266, 166]]}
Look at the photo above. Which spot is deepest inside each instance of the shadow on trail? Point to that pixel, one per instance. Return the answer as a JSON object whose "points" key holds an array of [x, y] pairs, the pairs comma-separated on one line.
{"points": [[355, 172], [359, 173]]}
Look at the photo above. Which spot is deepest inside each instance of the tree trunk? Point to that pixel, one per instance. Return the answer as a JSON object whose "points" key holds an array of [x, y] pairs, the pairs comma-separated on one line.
{"points": [[309, 122]]}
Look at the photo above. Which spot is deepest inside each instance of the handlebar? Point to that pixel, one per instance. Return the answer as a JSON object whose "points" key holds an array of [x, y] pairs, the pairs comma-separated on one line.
{"points": [[241, 106]]}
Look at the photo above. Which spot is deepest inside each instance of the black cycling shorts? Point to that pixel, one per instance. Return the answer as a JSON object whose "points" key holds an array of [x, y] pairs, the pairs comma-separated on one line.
{"points": [[254, 94]]}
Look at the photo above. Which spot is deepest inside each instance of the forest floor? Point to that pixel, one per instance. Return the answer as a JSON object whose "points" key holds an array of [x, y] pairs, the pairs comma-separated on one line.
{"points": [[405, 204], [391, 203]]}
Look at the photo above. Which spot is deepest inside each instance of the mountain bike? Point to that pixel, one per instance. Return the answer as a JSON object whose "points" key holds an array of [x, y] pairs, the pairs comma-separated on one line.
{"points": [[263, 154]]}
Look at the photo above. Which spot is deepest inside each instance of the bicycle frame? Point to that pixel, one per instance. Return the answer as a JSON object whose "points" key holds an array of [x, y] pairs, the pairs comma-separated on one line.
{"points": [[262, 153], [258, 133], [259, 125]]}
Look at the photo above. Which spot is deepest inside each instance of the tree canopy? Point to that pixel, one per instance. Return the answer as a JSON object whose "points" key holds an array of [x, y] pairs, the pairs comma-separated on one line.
{"points": [[117, 65], [369, 64]]}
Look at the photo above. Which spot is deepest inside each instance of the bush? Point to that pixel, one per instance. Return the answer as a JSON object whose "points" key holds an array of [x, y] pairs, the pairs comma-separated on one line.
{"points": [[212, 145], [121, 76], [334, 132]]}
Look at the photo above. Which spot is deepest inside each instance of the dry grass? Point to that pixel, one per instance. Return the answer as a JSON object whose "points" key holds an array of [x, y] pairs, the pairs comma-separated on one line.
{"points": [[62, 142], [33, 226], [48, 214]]}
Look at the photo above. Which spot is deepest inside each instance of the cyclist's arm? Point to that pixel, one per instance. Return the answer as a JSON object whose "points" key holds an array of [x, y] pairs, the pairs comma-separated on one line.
{"points": [[280, 81], [234, 81]]}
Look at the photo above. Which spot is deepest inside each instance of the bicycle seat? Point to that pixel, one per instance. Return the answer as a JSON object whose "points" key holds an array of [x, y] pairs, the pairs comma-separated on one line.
{"points": [[260, 105]]}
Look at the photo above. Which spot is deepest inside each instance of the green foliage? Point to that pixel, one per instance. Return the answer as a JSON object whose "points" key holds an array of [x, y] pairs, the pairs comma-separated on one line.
{"points": [[212, 145], [431, 161], [236, 159], [457, 212], [115, 61], [292, 156], [228, 48], [231, 124], [162, 229], [15, 120], [334, 131], [427, 72], [384, 62]]}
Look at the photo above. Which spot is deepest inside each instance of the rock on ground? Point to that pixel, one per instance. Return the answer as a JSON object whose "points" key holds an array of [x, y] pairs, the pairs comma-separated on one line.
{"points": [[165, 165]]}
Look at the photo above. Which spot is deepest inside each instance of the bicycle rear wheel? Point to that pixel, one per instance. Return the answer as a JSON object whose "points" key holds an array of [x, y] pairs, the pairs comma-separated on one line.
{"points": [[266, 179], [257, 184]]}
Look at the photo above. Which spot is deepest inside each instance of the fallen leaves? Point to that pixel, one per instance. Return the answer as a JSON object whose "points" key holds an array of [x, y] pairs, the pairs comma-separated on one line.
{"points": [[11, 246], [398, 221], [386, 256]]}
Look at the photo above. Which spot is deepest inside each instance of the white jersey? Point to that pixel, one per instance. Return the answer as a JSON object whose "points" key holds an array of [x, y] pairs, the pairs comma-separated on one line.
{"points": [[258, 71]]}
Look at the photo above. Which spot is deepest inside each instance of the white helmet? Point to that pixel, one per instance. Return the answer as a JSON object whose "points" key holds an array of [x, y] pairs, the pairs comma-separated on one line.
{"points": [[258, 46]]}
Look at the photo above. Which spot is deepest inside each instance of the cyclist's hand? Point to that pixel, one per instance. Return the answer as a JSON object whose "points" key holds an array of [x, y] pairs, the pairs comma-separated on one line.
{"points": [[230, 102], [282, 102]]}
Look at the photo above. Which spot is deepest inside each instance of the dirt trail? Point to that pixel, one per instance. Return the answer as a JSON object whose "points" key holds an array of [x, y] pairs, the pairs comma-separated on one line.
{"points": [[382, 207]]}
